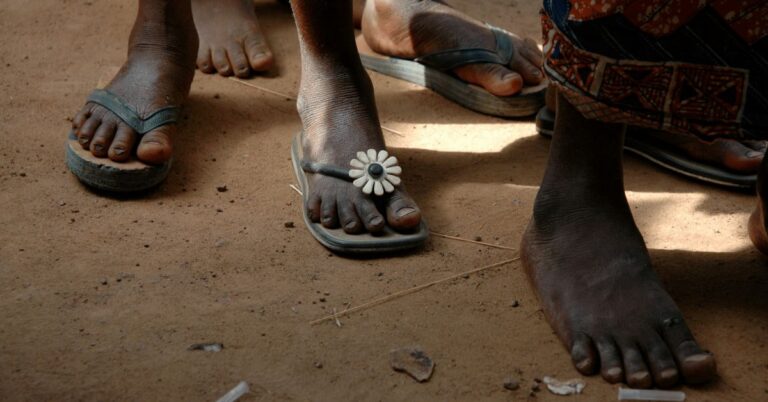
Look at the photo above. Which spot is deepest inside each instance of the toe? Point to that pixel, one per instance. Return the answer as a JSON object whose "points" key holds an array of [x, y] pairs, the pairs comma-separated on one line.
{"points": [[259, 54], [87, 131], [661, 362], [402, 212], [240, 65], [584, 355], [204, 62], [122, 144], [372, 219], [530, 50], [313, 208], [530, 72], [496, 79], [610, 361], [80, 118], [348, 218], [637, 374], [739, 157], [329, 217], [695, 364], [102, 139], [155, 146], [221, 62]]}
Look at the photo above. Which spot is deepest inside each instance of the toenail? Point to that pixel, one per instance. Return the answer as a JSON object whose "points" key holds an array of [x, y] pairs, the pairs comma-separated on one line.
{"points": [[613, 372], [350, 225], [669, 373], [98, 147], [119, 151], [671, 322], [584, 364], [405, 211], [377, 221], [640, 376], [83, 140], [754, 154]]}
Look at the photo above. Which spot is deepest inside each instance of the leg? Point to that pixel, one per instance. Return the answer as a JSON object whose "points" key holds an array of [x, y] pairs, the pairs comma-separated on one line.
{"points": [[412, 28], [589, 265], [158, 73], [231, 41], [758, 225], [339, 116]]}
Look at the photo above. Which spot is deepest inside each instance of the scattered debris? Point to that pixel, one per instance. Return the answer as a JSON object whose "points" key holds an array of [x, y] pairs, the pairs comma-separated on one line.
{"points": [[627, 394], [235, 393], [535, 387], [569, 387], [478, 239], [515, 303], [222, 188], [220, 243], [290, 225], [104, 281], [62, 203], [207, 347], [511, 384], [318, 365], [412, 361]]}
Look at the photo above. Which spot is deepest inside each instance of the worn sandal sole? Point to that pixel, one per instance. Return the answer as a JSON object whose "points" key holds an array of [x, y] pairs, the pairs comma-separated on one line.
{"points": [[337, 240], [475, 98], [636, 144], [103, 174]]}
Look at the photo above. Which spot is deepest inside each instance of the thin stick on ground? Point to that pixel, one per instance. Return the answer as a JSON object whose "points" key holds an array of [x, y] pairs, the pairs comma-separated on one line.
{"points": [[296, 189], [393, 131], [406, 292], [472, 241], [260, 88]]}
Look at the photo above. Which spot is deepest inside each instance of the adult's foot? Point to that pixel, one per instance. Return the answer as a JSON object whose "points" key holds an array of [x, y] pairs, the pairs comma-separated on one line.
{"points": [[758, 225], [158, 73], [589, 265], [413, 28], [231, 40], [339, 117]]}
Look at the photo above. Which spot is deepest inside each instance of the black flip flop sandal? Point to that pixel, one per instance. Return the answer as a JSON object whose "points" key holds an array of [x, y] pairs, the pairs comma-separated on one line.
{"points": [[645, 147], [124, 177], [376, 174], [433, 71]]}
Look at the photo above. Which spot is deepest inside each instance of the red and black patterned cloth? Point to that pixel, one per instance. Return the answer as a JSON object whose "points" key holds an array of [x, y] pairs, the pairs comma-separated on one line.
{"points": [[687, 66]]}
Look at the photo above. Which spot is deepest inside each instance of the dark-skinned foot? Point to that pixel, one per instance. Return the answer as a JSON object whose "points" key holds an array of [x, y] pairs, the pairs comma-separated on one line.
{"points": [[413, 28], [231, 40], [158, 73], [339, 117], [589, 265], [758, 225]]}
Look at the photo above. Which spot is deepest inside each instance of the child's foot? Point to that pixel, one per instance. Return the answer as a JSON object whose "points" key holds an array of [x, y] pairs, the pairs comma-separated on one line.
{"points": [[231, 41], [158, 73]]}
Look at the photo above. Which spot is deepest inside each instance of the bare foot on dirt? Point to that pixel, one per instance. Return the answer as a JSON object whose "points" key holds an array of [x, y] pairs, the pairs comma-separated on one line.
{"points": [[231, 40], [592, 272], [158, 73], [413, 28]]}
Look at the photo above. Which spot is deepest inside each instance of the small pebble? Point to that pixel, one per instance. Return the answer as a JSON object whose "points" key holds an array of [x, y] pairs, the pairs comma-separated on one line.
{"points": [[511, 384], [318, 365], [535, 387], [515, 303], [222, 189], [62, 203], [478, 238], [289, 225], [104, 281]]}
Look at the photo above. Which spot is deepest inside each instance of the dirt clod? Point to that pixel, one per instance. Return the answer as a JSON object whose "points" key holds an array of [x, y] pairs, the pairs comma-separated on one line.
{"points": [[413, 361]]}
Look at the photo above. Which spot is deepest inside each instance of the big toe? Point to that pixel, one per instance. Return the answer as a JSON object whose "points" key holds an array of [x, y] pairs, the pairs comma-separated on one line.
{"points": [[259, 54], [496, 79], [402, 212], [155, 147], [698, 367]]}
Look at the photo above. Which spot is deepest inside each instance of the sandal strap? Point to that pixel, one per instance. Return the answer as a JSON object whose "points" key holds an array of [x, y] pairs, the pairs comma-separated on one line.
{"points": [[453, 58], [113, 103], [327, 170]]}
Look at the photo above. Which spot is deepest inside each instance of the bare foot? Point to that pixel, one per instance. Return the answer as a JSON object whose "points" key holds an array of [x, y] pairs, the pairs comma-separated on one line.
{"points": [[413, 28], [589, 265], [231, 41], [758, 226], [158, 73]]}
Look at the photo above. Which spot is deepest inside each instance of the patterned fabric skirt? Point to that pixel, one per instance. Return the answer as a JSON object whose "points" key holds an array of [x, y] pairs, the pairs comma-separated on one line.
{"points": [[685, 66]]}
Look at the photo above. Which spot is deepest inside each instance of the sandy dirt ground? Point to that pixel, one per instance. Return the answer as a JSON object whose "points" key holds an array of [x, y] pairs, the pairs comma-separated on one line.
{"points": [[100, 297]]}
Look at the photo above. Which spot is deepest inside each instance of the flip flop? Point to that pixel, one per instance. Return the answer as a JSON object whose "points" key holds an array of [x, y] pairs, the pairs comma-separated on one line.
{"points": [[645, 147], [379, 183], [433, 71], [125, 177]]}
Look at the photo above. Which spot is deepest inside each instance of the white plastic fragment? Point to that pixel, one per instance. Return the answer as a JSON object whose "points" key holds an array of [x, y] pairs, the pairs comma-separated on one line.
{"points": [[628, 394], [569, 387], [236, 392]]}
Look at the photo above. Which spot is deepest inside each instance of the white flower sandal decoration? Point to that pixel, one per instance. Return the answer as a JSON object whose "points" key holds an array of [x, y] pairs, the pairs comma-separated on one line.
{"points": [[376, 174]]}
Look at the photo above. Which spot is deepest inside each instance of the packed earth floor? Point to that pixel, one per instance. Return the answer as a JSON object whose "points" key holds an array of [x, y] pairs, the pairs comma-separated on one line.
{"points": [[100, 298]]}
